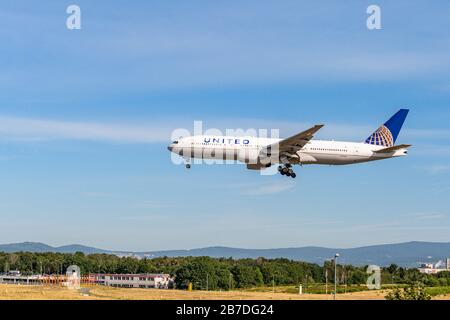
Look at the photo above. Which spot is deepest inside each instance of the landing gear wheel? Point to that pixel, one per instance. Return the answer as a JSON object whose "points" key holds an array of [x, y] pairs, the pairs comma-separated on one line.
{"points": [[188, 166], [286, 170]]}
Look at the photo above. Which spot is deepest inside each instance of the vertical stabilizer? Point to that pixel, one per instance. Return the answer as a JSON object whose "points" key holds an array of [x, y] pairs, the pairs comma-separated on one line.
{"points": [[387, 134]]}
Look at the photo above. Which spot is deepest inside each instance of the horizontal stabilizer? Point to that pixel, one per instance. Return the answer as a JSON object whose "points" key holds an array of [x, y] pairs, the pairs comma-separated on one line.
{"points": [[394, 148]]}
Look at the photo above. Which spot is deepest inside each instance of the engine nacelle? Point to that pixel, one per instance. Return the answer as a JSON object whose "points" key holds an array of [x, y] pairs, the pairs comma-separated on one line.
{"points": [[249, 156], [306, 158], [259, 166]]}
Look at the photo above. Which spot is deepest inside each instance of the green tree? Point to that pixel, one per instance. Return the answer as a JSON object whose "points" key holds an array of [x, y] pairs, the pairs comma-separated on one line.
{"points": [[200, 272], [247, 276], [392, 269]]}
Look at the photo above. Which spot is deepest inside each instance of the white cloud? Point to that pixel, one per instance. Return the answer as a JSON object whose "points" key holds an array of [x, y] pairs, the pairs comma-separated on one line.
{"points": [[427, 216], [6, 157], [437, 168], [267, 189], [96, 194], [432, 150], [148, 204], [16, 128], [155, 131], [160, 130], [428, 133], [225, 47]]}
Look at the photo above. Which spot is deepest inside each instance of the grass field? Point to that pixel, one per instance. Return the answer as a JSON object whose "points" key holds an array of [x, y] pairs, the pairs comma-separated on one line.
{"points": [[17, 292], [316, 288]]}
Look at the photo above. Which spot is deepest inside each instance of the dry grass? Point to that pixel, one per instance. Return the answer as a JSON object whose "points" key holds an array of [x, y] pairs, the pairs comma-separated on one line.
{"points": [[16, 292], [154, 294], [23, 292]]}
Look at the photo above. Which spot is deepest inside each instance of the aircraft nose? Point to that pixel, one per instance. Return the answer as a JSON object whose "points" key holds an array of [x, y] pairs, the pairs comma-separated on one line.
{"points": [[169, 148]]}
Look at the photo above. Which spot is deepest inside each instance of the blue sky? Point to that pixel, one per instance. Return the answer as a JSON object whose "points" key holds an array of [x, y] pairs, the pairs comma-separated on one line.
{"points": [[85, 117]]}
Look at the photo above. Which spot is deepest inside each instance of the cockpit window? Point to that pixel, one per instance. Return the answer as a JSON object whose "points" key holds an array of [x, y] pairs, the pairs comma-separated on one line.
{"points": [[175, 142]]}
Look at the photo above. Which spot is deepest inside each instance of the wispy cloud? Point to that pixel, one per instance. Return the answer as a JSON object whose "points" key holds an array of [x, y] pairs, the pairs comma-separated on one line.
{"points": [[96, 194], [153, 131], [43, 129], [149, 204], [268, 189], [428, 133], [184, 51], [160, 130], [432, 150], [142, 218], [437, 168], [6, 157], [427, 216], [443, 88]]}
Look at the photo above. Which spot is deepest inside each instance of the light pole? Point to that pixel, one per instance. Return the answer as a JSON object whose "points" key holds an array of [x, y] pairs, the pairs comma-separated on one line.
{"points": [[306, 286], [335, 274], [273, 282]]}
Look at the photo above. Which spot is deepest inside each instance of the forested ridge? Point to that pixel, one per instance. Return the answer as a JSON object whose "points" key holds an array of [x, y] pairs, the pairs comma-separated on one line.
{"points": [[212, 273]]}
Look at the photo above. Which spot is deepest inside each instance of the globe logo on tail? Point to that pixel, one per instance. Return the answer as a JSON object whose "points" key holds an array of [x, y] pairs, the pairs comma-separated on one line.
{"points": [[381, 137]]}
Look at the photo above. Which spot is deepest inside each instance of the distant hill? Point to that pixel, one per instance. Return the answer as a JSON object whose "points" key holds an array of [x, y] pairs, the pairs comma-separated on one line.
{"points": [[409, 254], [42, 247]]}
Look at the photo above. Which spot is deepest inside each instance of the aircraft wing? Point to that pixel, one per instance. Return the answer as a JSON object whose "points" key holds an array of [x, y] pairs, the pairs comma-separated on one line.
{"points": [[394, 148], [296, 142]]}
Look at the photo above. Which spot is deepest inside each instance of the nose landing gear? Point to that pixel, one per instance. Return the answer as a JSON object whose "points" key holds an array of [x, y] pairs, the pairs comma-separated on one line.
{"points": [[286, 170]]}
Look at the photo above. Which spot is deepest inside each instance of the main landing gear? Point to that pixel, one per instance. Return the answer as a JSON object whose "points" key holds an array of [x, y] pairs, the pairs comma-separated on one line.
{"points": [[287, 170]]}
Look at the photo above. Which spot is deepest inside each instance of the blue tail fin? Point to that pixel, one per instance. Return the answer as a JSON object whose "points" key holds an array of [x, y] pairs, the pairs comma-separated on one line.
{"points": [[387, 134]]}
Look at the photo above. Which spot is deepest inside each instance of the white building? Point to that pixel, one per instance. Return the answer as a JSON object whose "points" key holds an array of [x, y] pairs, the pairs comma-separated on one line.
{"points": [[147, 280], [19, 279], [430, 268]]}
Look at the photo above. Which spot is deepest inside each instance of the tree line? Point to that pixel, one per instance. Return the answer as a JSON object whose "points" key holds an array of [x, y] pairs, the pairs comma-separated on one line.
{"points": [[214, 273]]}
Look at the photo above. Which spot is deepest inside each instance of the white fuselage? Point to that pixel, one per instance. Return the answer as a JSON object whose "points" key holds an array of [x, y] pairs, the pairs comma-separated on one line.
{"points": [[248, 150]]}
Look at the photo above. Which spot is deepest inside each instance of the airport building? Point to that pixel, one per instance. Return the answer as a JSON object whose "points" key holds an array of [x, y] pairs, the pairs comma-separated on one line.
{"points": [[146, 280], [15, 277]]}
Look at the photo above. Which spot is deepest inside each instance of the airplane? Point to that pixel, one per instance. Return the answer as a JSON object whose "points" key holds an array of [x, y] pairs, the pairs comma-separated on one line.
{"points": [[300, 149]]}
